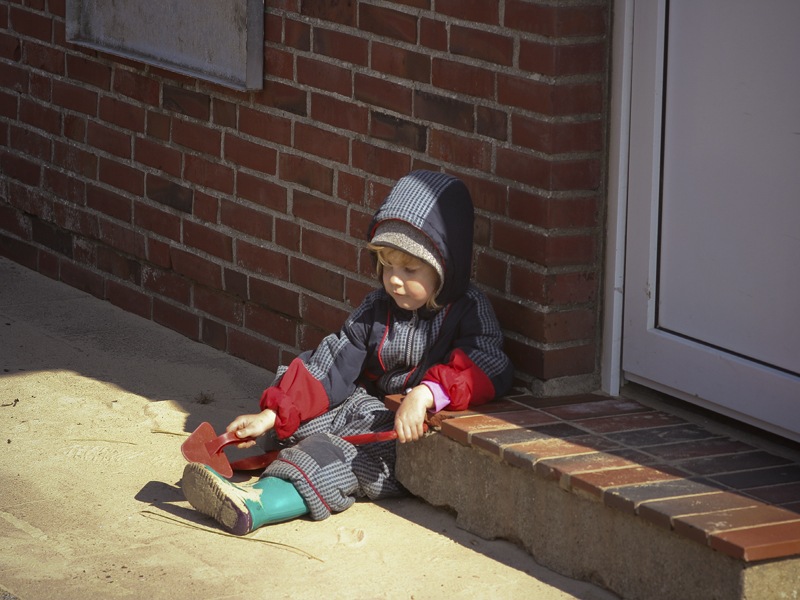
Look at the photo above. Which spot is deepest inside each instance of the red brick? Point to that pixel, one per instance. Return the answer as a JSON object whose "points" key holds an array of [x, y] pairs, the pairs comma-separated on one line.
{"points": [[30, 142], [208, 174], [196, 137], [83, 279], [109, 203], [552, 213], [330, 10], [196, 268], [30, 201], [486, 194], [298, 35], [443, 110], [482, 45], [324, 76], [250, 155], [205, 207], [283, 97], [128, 298], [306, 172], [572, 59], [433, 34], [65, 187], [119, 265], [355, 291], [158, 221], [317, 279], [121, 176], [555, 21], [31, 24], [547, 328], [177, 319], [401, 63], [10, 47], [75, 160], [337, 113], [464, 151], [187, 102], [158, 156], [287, 234], [493, 123], [405, 133], [341, 46], [122, 237], [548, 175], [208, 240], [275, 297], [74, 98], [330, 249], [544, 250], [555, 100], [57, 7], [158, 72], [376, 193], [387, 22], [382, 93], [158, 253], [8, 108], [359, 224], [44, 58], [219, 304], [320, 211], [550, 364], [224, 113], [20, 252], [261, 192], [109, 140], [491, 271], [247, 220], [556, 138], [350, 188], [14, 78], [122, 114], [52, 237], [273, 28], [214, 334], [321, 142], [465, 79], [271, 324], [479, 11], [84, 251], [169, 193], [320, 314], [310, 337], [158, 125], [253, 350], [75, 127], [167, 284], [262, 260], [89, 71], [279, 63], [265, 126], [136, 86], [380, 161]]}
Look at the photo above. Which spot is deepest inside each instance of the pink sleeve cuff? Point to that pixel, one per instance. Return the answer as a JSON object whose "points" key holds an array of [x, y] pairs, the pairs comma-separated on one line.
{"points": [[440, 398]]}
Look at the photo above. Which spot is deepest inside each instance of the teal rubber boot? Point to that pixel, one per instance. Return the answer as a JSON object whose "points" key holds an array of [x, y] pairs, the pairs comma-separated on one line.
{"points": [[241, 508]]}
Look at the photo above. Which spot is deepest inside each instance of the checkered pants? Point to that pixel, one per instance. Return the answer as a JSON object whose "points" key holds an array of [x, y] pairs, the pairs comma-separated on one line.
{"points": [[329, 472]]}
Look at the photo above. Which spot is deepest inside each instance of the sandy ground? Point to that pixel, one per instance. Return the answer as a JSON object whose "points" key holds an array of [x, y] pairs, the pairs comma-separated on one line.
{"points": [[94, 405]]}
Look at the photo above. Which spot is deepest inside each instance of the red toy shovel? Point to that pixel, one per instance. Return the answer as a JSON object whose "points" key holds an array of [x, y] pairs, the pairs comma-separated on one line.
{"points": [[205, 447]]}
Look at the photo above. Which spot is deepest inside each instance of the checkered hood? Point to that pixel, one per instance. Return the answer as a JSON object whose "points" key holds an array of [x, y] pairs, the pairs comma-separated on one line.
{"points": [[438, 205]]}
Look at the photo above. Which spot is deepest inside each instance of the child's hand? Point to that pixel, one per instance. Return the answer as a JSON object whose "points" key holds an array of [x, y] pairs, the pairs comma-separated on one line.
{"points": [[252, 426], [410, 416]]}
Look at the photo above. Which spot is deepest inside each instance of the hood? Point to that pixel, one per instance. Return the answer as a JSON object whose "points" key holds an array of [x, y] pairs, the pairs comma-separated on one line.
{"points": [[438, 205]]}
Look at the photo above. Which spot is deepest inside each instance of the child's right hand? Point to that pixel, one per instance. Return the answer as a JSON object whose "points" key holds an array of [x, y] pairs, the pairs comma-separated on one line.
{"points": [[252, 426]]}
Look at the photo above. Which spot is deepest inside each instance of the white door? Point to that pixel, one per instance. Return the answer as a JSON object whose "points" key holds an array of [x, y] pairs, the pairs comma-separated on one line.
{"points": [[712, 273]]}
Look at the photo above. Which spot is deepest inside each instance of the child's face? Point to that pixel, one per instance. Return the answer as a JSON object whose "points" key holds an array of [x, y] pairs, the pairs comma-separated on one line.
{"points": [[410, 284]]}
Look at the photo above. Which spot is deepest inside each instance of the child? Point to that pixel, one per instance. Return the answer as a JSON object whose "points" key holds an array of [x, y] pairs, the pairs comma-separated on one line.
{"points": [[428, 333]]}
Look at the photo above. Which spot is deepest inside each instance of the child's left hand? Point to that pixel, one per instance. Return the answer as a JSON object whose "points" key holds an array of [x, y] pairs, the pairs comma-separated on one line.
{"points": [[410, 416]]}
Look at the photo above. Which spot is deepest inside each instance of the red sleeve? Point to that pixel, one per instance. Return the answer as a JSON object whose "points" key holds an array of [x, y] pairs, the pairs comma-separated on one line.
{"points": [[298, 398], [463, 381]]}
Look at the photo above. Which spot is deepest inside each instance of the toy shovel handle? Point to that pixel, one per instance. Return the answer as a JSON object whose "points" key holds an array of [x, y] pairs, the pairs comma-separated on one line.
{"points": [[381, 436], [226, 439]]}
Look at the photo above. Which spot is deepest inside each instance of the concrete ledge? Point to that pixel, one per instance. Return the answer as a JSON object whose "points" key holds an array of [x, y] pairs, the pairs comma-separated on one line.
{"points": [[575, 534]]}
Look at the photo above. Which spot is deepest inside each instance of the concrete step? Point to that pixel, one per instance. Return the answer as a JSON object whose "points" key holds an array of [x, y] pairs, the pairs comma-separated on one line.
{"points": [[637, 499]]}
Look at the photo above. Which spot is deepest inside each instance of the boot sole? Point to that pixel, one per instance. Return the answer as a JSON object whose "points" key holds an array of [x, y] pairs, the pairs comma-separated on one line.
{"points": [[213, 496]]}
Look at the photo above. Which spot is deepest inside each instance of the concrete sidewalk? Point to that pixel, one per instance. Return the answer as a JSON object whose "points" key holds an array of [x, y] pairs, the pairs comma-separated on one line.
{"points": [[94, 405]]}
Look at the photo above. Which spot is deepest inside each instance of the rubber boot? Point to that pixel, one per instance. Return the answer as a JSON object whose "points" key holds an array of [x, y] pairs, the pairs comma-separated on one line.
{"points": [[241, 508]]}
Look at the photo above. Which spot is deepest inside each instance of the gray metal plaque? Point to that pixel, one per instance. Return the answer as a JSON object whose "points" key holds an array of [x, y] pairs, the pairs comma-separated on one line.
{"points": [[217, 40]]}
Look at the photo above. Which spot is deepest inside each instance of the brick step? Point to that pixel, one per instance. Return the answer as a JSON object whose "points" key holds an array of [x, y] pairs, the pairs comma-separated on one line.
{"points": [[711, 512]]}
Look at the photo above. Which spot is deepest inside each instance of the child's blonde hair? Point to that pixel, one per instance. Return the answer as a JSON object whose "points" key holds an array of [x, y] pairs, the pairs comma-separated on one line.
{"points": [[386, 255]]}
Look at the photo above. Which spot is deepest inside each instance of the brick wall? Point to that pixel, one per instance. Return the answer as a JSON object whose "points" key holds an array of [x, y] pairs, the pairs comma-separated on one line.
{"points": [[238, 219]]}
